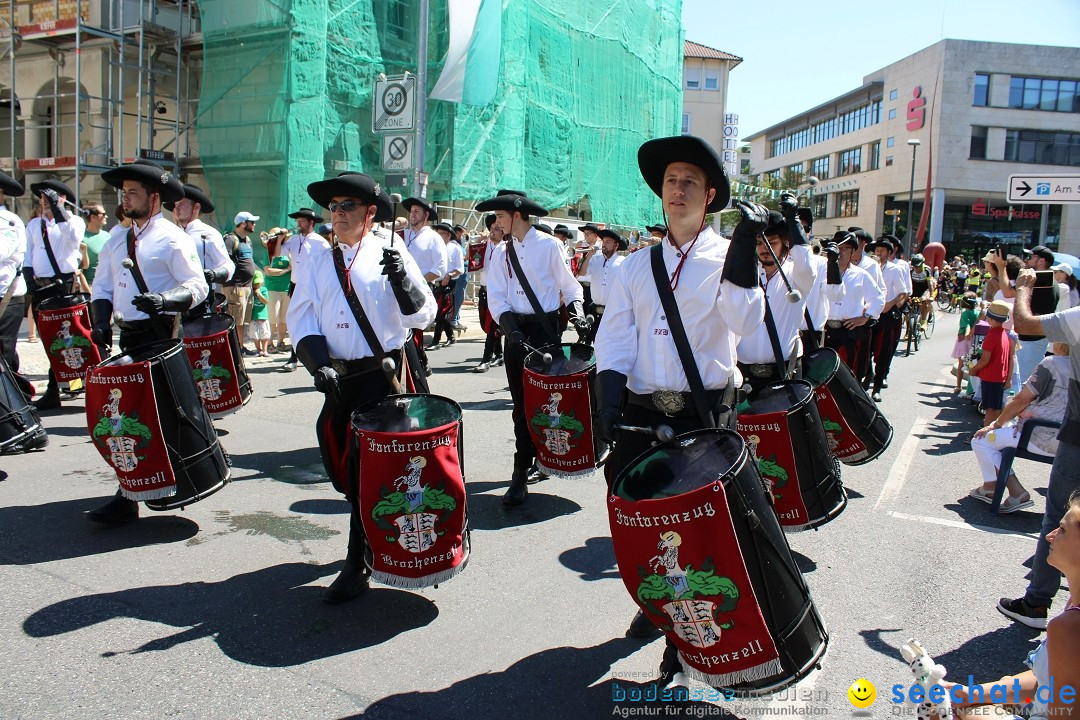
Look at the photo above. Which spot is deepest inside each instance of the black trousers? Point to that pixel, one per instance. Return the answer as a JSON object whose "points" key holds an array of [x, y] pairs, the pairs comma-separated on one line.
{"points": [[524, 452], [444, 317], [630, 445], [885, 338], [10, 322]]}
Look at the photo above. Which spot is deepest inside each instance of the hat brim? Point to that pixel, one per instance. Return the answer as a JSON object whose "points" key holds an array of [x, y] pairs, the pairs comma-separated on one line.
{"points": [[163, 182], [654, 157], [408, 204], [512, 203], [195, 195], [11, 186], [59, 187], [656, 228], [353, 186], [309, 215]]}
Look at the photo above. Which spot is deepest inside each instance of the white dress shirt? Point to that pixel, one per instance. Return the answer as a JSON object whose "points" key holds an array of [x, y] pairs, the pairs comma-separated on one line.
{"points": [[817, 301], [756, 348], [894, 277], [428, 250], [64, 238], [12, 252], [455, 259], [209, 247], [491, 250], [543, 261], [905, 267], [634, 338], [319, 307], [861, 296], [870, 264], [167, 260], [603, 270], [298, 247]]}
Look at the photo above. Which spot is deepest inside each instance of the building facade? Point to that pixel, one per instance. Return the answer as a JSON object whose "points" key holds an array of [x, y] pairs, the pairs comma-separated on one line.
{"points": [[706, 73], [959, 117]]}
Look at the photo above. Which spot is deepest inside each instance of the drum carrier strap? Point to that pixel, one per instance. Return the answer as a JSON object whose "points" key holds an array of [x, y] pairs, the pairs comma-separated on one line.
{"points": [[361, 320], [541, 316], [774, 340], [157, 320], [60, 277], [682, 345]]}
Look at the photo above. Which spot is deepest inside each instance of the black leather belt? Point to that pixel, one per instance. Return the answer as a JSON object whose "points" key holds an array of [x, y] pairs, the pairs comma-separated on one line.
{"points": [[147, 324], [673, 403], [363, 365], [760, 370], [599, 309], [533, 319]]}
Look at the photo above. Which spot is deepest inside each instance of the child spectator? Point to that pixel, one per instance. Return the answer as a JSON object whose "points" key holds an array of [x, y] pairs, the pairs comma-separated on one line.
{"points": [[259, 328], [965, 336], [994, 367]]}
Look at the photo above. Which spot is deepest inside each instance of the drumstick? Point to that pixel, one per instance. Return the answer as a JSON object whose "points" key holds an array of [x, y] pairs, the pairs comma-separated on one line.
{"points": [[662, 432], [390, 369], [793, 296], [544, 356]]}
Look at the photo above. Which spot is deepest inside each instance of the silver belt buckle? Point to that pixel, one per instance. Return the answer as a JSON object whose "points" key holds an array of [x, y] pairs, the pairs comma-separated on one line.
{"points": [[339, 366], [761, 370], [668, 402]]}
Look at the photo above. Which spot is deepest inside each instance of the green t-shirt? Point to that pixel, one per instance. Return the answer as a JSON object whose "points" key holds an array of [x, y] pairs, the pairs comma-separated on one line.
{"points": [[279, 283], [94, 243], [968, 318], [258, 307]]}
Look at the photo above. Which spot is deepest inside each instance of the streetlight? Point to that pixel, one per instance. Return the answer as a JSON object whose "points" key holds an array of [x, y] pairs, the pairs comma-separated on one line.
{"points": [[914, 143]]}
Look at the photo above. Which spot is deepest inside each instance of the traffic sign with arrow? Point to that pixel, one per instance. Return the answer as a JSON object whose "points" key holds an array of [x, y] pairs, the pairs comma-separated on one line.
{"points": [[1045, 189]]}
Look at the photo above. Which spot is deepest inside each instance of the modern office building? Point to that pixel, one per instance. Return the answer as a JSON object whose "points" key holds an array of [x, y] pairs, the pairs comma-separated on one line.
{"points": [[706, 72], [979, 112]]}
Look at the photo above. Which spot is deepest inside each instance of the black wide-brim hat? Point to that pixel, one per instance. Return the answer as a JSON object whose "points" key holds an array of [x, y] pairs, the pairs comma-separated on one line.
{"points": [[157, 178], [591, 227], [443, 226], [656, 228], [306, 213], [408, 203], [11, 186], [195, 194], [620, 243], [489, 221], [510, 201], [561, 229], [52, 184], [654, 157], [354, 185], [892, 240], [843, 237], [861, 235], [777, 225], [544, 228]]}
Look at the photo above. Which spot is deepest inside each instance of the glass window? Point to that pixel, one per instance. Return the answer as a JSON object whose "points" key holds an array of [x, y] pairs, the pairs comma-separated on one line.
{"points": [[888, 161], [889, 142], [892, 94], [978, 142], [1016, 92], [892, 114], [712, 78], [1066, 96], [1047, 148], [1032, 92], [1048, 100], [819, 168], [693, 78], [686, 123], [982, 89], [848, 203], [821, 206], [851, 161], [875, 156]]}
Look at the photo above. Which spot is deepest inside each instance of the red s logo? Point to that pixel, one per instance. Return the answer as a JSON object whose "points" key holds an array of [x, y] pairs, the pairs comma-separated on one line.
{"points": [[916, 110]]}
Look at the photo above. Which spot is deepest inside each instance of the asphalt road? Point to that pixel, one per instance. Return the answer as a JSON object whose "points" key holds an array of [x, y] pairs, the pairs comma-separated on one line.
{"points": [[215, 612]]}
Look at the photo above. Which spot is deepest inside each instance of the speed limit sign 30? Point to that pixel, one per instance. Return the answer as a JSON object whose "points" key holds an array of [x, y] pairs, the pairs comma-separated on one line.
{"points": [[393, 104]]}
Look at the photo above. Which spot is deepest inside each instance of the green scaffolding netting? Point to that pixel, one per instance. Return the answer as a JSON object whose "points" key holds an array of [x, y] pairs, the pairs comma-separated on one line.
{"points": [[286, 98]]}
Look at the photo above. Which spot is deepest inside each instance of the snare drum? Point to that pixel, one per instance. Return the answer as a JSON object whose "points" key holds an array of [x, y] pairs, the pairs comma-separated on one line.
{"points": [[559, 407], [410, 476], [146, 419], [701, 552], [856, 430], [64, 325], [20, 428], [784, 435], [213, 350]]}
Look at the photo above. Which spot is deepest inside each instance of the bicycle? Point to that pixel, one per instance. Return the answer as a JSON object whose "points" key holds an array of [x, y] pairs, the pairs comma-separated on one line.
{"points": [[911, 324], [931, 322]]}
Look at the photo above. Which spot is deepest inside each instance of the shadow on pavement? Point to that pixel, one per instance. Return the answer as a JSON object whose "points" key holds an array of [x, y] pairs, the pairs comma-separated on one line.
{"points": [[31, 534], [992, 655], [269, 617], [486, 511], [976, 512], [594, 561], [321, 507], [552, 683], [297, 467]]}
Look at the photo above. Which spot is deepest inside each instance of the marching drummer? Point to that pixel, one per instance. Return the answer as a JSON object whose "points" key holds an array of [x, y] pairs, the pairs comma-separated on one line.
{"points": [[886, 334], [52, 259], [365, 286], [789, 244], [603, 272], [714, 283], [209, 246], [164, 280], [429, 252], [847, 329], [493, 351], [527, 308]]}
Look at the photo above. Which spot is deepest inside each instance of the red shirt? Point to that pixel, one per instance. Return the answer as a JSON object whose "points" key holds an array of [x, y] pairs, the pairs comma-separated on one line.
{"points": [[996, 345]]}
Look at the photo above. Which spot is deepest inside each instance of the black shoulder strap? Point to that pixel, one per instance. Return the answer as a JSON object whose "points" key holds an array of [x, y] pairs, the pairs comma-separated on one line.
{"points": [[678, 334], [49, 250], [774, 337], [361, 319], [540, 314]]}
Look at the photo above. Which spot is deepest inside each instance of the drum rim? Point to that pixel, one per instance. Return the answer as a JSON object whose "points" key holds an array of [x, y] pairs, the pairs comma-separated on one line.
{"points": [[443, 398], [659, 446], [552, 346], [804, 401], [49, 302], [174, 345], [836, 366], [204, 318]]}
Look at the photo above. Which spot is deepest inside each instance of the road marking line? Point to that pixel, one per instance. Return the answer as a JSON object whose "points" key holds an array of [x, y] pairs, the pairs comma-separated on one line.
{"points": [[963, 525], [898, 472]]}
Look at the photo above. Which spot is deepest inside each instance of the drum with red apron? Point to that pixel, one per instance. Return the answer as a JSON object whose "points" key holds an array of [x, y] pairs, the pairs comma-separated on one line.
{"points": [[18, 419], [64, 326], [560, 409], [410, 475], [213, 350], [783, 432], [146, 419], [701, 552], [856, 430]]}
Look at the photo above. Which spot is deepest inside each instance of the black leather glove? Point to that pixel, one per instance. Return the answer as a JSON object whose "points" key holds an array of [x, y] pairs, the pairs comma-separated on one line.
{"points": [[101, 321], [326, 380], [576, 312], [176, 300], [313, 352], [740, 265], [609, 401], [58, 212], [28, 275], [409, 296], [216, 276], [149, 303], [789, 208], [510, 329], [832, 272]]}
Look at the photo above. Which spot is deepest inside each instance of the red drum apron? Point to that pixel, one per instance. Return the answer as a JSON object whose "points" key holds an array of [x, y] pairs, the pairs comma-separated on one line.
{"points": [[213, 350], [64, 325], [855, 428]]}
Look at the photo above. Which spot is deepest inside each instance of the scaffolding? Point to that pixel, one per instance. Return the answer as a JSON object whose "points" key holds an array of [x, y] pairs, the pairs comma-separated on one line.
{"points": [[96, 83]]}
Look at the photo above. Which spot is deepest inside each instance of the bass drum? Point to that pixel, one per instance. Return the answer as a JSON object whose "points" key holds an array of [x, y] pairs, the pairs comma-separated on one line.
{"points": [[856, 430], [20, 428], [783, 431], [721, 582]]}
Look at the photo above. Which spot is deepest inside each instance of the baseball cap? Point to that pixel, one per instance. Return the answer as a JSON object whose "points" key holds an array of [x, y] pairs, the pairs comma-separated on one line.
{"points": [[1044, 252], [1063, 267], [245, 216]]}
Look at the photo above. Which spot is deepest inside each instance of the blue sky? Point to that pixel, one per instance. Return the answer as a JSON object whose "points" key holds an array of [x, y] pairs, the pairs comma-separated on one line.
{"points": [[799, 55]]}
